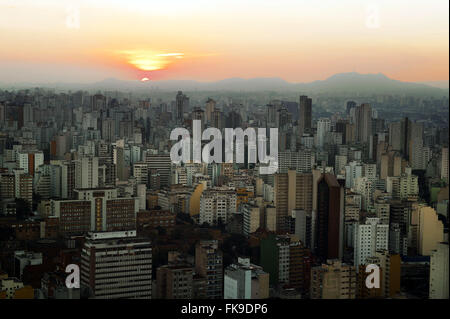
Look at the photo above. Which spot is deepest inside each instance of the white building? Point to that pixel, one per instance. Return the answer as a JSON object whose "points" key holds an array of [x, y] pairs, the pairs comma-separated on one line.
{"points": [[252, 218], [369, 238], [323, 127], [217, 203], [439, 272], [364, 187], [353, 170], [244, 280], [86, 172]]}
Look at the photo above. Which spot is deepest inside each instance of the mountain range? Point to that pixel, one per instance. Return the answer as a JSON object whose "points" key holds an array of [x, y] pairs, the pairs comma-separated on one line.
{"points": [[339, 83]]}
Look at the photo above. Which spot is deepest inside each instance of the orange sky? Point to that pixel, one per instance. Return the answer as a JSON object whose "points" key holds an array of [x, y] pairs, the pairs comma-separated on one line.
{"points": [[297, 40]]}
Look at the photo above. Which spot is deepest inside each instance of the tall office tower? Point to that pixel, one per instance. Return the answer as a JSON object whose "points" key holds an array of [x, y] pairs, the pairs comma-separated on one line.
{"points": [[210, 107], [439, 272], [444, 164], [363, 122], [2, 113], [369, 238], [175, 281], [350, 105], [182, 105], [333, 280], [414, 144], [161, 164], [329, 218], [86, 172], [117, 265], [395, 136], [323, 127], [217, 119], [292, 191], [405, 136], [391, 164], [209, 264], [29, 161], [305, 115], [390, 273], [271, 115], [244, 280], [253, 218], [108, 129], [217, 205]]}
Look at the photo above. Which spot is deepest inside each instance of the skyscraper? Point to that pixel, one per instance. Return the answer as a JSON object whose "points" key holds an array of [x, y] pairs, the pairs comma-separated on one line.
{"points": [[305, 114], [182, 105], [292, 191], [328, 228], [363, 122]]}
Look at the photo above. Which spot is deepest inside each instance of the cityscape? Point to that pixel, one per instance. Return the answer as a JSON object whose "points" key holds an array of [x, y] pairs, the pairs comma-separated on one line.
{"points": [[93, 204]]}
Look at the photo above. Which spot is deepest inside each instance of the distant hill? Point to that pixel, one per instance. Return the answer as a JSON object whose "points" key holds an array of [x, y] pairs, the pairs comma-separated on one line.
{"points": [[437, 84], [352, 82]]}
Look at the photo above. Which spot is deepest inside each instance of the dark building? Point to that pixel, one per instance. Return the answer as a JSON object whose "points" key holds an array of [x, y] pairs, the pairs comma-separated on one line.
{"points": [[305, 114], [328, 224]]}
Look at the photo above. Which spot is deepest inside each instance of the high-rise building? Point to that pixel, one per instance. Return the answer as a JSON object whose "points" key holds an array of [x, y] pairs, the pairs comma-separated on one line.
{"points": [[292, 191], [253, 219], [323, 127], [161, 164], [209, 265], [430, 229], [210, 107], [328, 221], [117, 265], [369, 238], [439, 272], [305, 115], [86, 172], [29, 161], [444, 164], [363, 122], [182, 105]]}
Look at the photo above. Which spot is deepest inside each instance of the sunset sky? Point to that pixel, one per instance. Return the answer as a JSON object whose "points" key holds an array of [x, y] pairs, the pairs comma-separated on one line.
{"points": [[297, 40]]}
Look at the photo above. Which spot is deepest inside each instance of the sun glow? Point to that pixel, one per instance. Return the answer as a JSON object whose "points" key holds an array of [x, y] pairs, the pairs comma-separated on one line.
{"points": [[149, 61]]}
